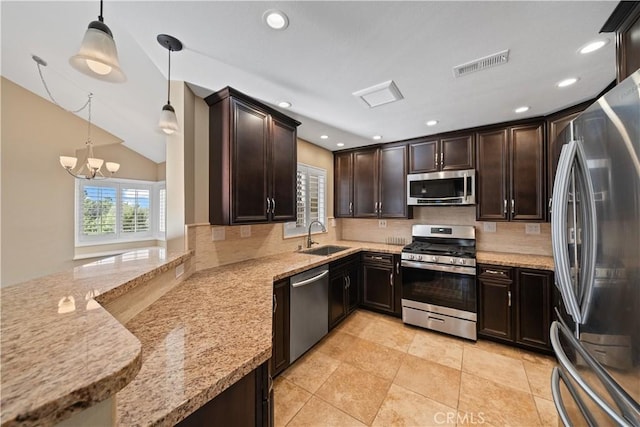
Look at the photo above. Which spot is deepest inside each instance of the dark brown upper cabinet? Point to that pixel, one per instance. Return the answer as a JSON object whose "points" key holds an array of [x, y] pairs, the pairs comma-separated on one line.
{"points": [[454, 152], [625, 22], [371, 183], [252, 161], [511, 173]]}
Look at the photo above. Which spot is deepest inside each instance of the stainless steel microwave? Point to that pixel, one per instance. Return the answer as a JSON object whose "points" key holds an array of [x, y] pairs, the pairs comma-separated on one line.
{"points": [[442, 188]]}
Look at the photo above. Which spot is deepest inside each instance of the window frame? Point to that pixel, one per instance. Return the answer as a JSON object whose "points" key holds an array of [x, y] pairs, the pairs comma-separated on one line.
{"points": [[291, 229], [119, 236]]}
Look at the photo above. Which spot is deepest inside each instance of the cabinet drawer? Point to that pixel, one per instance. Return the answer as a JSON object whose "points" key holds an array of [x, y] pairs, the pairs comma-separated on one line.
{"points": [[377, 258], [496, 272]]}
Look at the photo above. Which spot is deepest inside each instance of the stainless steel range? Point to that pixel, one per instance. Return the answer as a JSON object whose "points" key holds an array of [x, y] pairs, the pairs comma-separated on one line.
{"points": [[439, 279]]}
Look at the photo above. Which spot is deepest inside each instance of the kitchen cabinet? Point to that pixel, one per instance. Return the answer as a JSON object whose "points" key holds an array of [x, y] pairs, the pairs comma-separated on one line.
{"points": [[514, 305], [280, 325], [381, 282], [252, 161], [343, 289], [511, 173], [625, 22], [371, 183], [248, 402], [452, 152]]}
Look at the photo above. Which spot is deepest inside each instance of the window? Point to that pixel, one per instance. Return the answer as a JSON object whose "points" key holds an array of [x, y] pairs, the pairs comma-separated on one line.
{"points": [[118, 210], [310, 200]]}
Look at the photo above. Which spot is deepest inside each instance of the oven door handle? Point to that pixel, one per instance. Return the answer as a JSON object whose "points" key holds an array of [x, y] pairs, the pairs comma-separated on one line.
{"points": [[471, 271]]}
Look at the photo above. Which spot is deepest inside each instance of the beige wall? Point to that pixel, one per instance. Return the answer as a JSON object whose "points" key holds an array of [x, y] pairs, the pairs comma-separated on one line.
{"points": [[132, 165], [37, 217], [509, 236]]}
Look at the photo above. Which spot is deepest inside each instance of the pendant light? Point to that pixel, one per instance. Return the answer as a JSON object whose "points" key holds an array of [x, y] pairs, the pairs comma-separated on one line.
{"points": [[98, 56], [168, 120]]}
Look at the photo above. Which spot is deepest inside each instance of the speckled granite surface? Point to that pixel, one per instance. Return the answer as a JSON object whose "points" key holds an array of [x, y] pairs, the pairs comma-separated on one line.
{"points": [[207, 333], [61, 351], [540, 262]]}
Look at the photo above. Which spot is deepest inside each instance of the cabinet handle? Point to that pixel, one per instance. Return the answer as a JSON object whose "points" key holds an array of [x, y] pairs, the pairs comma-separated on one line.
{"points": [[513, 207], [350, 207], [378, 258], [380, 207], [509, 295], [442, 159], [346, 283], [435, 159], [268, 206], [348, 278], [275, 303], [550, 201], [391, 279], [273, 206], [501, 273], [504, 211], [397, 267]]}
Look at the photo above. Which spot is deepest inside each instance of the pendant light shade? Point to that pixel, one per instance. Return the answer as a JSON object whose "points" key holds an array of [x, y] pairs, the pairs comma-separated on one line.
{"points": [[98, 56], [168, 120]]}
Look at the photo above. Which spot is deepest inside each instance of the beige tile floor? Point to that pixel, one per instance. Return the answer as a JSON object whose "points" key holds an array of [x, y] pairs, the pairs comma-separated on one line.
{"points": [[374, 370]]}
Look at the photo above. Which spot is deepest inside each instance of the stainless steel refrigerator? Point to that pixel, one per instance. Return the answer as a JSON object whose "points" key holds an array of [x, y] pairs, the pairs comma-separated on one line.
{"points": [[596, 248]]}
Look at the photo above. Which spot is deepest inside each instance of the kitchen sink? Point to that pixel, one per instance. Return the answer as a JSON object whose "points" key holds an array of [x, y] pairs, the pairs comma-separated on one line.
{"points": [[325, 250]]}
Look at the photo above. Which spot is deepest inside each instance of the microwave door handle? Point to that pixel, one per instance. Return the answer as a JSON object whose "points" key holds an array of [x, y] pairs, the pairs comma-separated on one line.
{"points": [[590, 235], [465, 186], [556, 376], [616, 392], [559, 230]]}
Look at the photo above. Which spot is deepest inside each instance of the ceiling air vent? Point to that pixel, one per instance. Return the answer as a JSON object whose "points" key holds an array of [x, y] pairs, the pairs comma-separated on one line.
{"points": [[379, 94], [482, 63]]}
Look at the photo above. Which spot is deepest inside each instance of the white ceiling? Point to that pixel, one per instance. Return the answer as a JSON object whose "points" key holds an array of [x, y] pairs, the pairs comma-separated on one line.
{"points": [[329, 51]]}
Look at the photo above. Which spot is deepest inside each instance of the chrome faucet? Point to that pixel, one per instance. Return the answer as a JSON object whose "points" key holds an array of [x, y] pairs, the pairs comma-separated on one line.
{"points": [[309, 241]]}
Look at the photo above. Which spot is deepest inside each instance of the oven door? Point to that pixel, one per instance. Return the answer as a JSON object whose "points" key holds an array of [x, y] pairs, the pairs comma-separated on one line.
{"points": [[446, 286]]}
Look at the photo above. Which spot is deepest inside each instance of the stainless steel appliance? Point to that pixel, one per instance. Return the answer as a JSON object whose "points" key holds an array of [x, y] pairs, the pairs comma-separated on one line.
{"points": [[442, 188], [309, 319], [596, 248], [439, 279]]}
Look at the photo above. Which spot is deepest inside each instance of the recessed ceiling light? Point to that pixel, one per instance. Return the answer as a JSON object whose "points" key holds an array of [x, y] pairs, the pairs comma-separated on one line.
{"points": [[324, 136], [284, 104], [377, 137], [432, 122], [340, 144], [593, 46], [276, 19], [567, 82], [521, 109]]}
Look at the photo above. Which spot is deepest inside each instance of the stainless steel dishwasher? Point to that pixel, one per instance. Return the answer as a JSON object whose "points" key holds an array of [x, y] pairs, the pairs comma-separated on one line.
{"points": [[309, 319]]}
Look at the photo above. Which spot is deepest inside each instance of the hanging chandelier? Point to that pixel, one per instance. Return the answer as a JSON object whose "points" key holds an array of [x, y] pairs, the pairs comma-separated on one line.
{"points": [[91, 166], [168, 120]]}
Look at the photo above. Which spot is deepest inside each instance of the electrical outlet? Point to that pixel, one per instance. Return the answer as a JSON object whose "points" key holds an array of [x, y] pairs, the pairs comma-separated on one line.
{"points": [[333, 222], [382, 223], [217, 234], [245, 231], [489, 227], [179, 270], [532, 228]]}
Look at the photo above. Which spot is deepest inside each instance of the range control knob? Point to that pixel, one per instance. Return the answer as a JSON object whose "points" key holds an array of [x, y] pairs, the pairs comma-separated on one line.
{"points": [[452, 260], [434, 259], [419, 257], [462, 261], [411, 256]]}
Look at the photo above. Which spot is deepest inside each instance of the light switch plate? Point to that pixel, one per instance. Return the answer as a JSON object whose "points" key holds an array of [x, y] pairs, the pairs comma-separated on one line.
{"points": [[217, 234], [382, 223], [179, 270], [489, 227], [245, 231], [532, 228]]}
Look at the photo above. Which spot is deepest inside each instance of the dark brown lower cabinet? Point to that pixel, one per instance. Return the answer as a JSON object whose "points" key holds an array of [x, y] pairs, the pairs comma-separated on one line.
{"points": [[248, 402], [380, 282], [280, 325], [515, 305], [343, 289]]}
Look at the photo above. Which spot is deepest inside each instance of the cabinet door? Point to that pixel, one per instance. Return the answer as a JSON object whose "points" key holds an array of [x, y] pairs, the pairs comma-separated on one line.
{"points": [[533, 308], [423, 156], [527, 201], [554, 148], [491, 163], [337, 291], [393, 182], [378, 287], [457, 153], [365, 183], [249, 140], [343, 185], [280, 345], [284, 164], [494, 313], [352, 286]]}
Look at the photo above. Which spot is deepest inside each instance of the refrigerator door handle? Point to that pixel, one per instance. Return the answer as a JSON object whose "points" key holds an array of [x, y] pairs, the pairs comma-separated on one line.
{"points": [[622, 399], [559, 230], [556, 376]]}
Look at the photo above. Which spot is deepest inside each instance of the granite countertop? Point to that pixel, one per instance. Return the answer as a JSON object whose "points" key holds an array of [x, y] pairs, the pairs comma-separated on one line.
{"points": [[61, 351], [209, 332], [541, 262]]}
